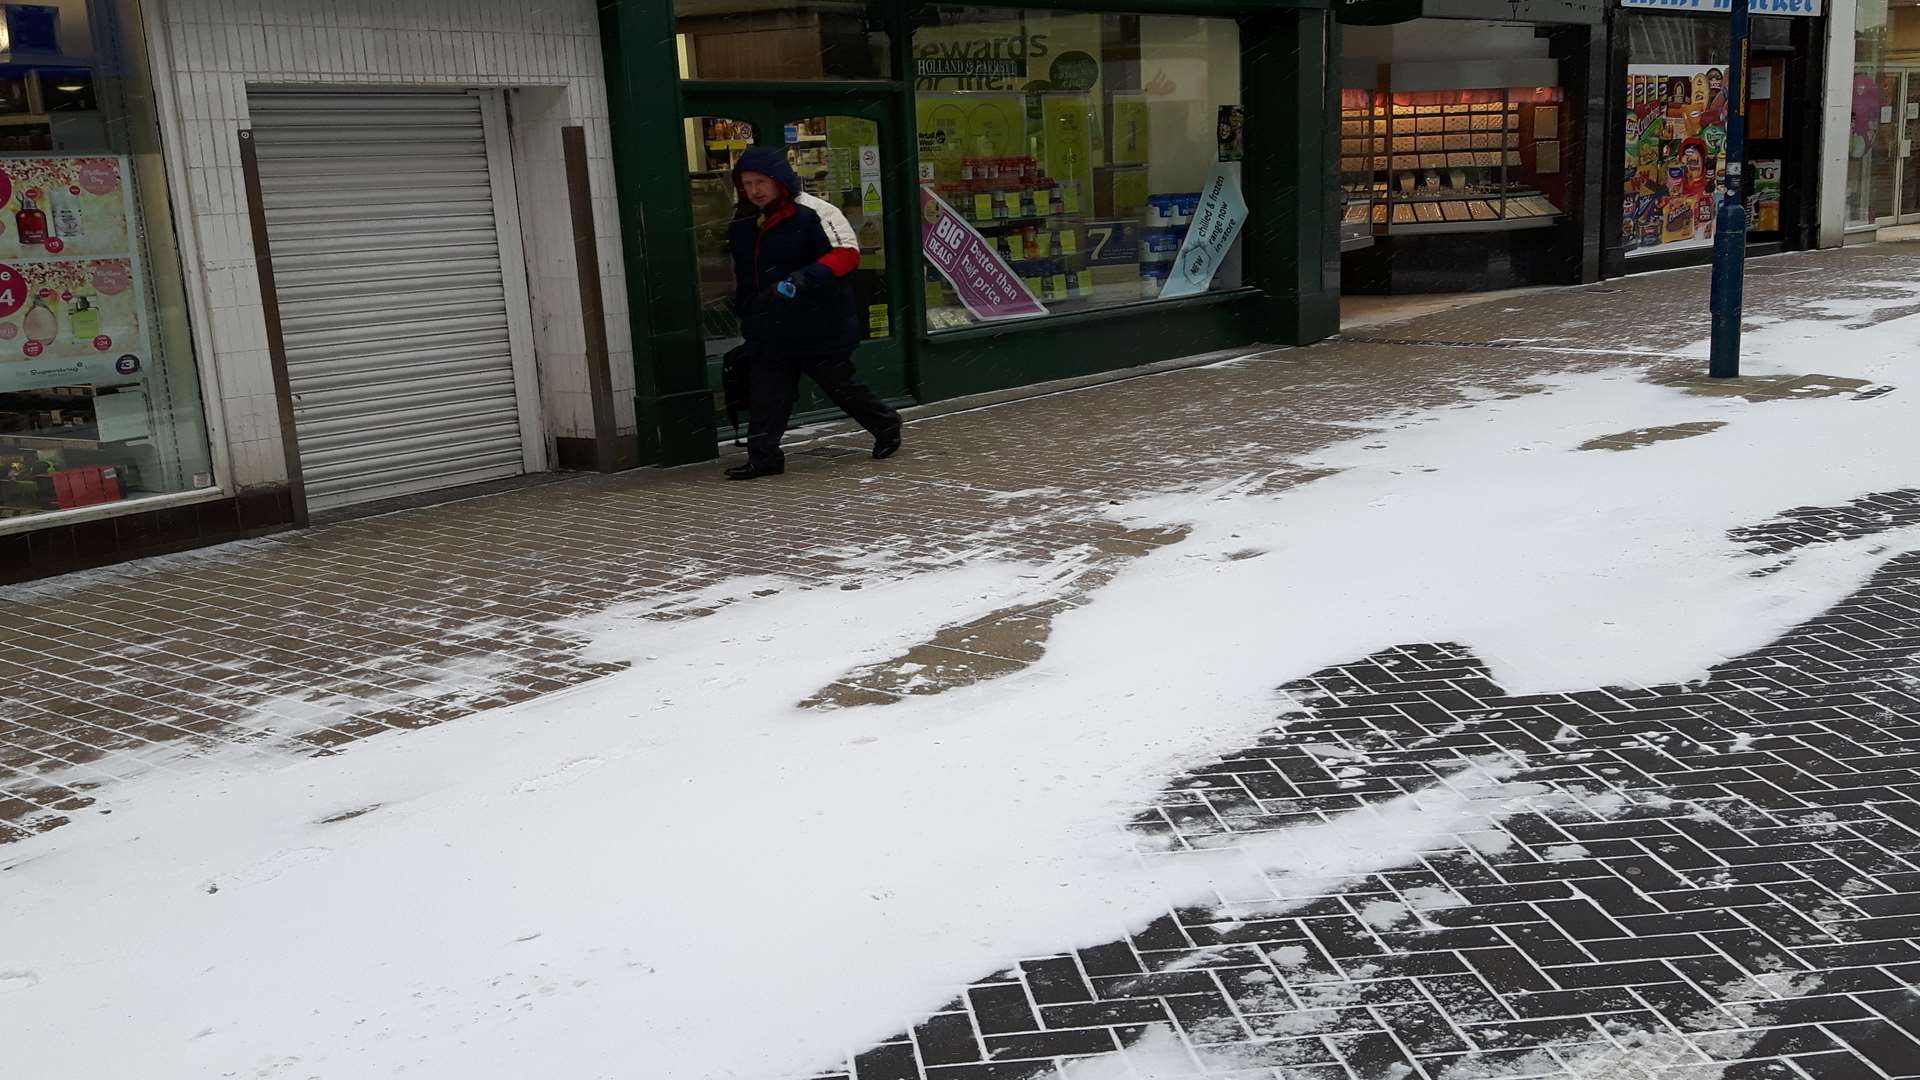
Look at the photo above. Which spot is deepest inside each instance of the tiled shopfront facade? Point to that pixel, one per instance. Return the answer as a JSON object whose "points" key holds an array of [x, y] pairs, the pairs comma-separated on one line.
{"points": [[531, 73]]}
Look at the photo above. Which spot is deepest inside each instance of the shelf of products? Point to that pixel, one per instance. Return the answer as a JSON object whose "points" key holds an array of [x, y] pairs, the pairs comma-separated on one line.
{"points": [[723, 141], [1071, 254], [57, 452], [1449, 161]]}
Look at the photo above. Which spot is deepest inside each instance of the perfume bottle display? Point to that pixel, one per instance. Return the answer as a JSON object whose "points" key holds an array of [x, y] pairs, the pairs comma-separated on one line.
{"points": [[65, 206], [83, 321], [71, 309], [30, 222], [69, 221], [41, 324], [71, 289]]}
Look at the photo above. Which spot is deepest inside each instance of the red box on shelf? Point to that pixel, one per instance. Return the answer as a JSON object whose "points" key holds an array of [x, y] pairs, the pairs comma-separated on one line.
{"points": [[86, 486]]}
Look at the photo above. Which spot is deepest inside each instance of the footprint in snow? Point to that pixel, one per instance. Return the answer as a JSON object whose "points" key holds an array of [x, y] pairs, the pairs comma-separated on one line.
{"points": [[269, 868], [567, 773]]}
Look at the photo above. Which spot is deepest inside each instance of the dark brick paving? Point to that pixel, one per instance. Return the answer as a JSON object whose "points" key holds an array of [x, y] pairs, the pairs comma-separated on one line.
{"points": [[1868, 515], [1728, 889]]}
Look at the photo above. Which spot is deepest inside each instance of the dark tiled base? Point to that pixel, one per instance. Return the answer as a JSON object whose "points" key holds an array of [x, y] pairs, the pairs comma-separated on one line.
{"points": [[59, 549], [1726, 885], [583, 455]]}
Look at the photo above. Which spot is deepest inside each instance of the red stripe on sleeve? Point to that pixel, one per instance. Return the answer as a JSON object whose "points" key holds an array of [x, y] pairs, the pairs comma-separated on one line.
{"points": [[842, 261]]}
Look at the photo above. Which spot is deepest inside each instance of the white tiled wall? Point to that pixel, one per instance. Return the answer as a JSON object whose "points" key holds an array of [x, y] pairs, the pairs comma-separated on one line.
{"points": [[547, 52]]}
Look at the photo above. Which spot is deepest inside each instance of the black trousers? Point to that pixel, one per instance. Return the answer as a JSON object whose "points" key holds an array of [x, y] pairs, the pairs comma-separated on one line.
{"points": [[773, 384]]}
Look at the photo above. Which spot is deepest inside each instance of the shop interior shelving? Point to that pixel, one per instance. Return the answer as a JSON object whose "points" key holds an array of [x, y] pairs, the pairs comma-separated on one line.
{"points": [[1446, 163]]}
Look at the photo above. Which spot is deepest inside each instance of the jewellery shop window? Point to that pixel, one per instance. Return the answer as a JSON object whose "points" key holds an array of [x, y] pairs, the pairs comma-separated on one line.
{"points": [[1454, 160], [99, 397], [1072, 161]]}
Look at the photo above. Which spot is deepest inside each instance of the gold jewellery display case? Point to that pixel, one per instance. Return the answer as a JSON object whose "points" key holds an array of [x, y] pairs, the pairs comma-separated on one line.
{"points": [[1463, 159]]}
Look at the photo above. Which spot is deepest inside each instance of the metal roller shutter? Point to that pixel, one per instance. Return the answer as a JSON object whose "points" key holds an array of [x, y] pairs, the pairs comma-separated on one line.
{"points": [[392, 289]]}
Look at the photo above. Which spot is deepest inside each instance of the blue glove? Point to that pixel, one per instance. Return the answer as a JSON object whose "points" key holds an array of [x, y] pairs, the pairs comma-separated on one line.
{"points": [[785, 289]]}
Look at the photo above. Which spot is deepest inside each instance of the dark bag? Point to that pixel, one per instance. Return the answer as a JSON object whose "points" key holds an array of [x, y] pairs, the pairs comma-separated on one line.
{"points": [[733, 387]]}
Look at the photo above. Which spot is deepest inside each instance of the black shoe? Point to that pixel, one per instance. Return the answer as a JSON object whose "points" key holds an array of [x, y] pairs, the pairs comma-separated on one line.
{"points": [[885, 446], [754, 470]]}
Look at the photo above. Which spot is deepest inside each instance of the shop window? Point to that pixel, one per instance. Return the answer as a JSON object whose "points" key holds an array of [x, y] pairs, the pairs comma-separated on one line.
{"points": [[826, 152], [1455, 160], [1075, 161], [714, 144], [99, 395], [1675, 116], [781, 39], [1455, 127], [1870, 141]]}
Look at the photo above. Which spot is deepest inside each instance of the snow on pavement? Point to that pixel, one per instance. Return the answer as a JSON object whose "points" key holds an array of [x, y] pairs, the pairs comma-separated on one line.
{"points": [[677, 871]]}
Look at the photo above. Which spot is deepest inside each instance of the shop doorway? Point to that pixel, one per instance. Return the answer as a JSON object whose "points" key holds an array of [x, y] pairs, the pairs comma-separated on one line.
{"points": [[1887, 188], [402, 291], [841, 148]]}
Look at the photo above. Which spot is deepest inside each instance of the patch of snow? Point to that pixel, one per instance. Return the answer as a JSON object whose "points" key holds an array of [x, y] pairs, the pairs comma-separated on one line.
{"points": [[1383, 914], [1288, 955], [1160, 1054], [1001, 498], [1332, 752], [1433, 898]]}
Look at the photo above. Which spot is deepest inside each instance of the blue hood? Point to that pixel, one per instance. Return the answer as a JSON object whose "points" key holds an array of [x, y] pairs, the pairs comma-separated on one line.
{"points": [[767, 161]]}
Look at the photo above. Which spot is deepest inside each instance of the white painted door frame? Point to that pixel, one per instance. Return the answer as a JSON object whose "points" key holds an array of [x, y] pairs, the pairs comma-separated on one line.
{"points": [[513, 267]]}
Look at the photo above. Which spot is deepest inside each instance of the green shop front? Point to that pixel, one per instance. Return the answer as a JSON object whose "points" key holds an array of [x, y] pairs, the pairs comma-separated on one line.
{"points": [[1040, 192]]}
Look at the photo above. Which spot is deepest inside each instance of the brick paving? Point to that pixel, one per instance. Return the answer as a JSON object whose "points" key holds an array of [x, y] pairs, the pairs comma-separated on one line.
{"points": [[1719, 881]]}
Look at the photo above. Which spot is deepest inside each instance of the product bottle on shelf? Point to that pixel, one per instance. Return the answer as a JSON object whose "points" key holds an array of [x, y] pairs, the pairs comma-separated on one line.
{"points": [[83, 322], [68, 224], [30, 222], [41, 324]]}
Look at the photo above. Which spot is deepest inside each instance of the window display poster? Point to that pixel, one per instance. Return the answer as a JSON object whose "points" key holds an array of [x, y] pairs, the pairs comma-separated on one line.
{"points": [[72, 297], [1676, 146], [1232, 133], [1067, 126], [846, 135], [1216, 223], [66, 207], [980, 278], [1132, 128], [957, 126], [1766, 195]]}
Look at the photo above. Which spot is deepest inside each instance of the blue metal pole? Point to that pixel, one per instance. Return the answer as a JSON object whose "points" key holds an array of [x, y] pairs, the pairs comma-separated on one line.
{"points": [[1730, 232]]}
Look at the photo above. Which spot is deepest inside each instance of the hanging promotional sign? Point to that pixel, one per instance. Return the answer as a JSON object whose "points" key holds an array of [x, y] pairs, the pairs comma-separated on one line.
{"points": [[1216, 222], [72, 304], [1757, 7], [980, 278]]}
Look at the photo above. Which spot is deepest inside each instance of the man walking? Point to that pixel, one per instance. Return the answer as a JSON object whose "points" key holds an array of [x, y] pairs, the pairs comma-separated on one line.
{"points": [[790, 265]]}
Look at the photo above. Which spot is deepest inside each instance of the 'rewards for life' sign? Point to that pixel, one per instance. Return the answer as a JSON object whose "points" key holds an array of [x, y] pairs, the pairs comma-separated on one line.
{"points": [[980, 278]]}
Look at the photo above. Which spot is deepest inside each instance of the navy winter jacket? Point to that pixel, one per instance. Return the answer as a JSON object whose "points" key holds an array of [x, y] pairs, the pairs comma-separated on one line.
{"points": [[800, 235]]}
